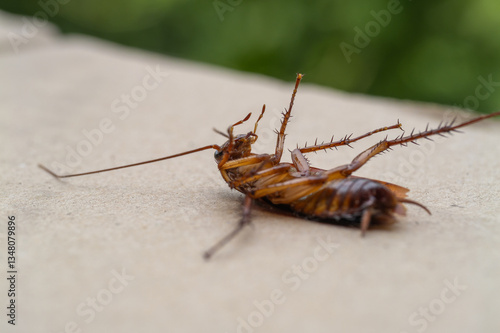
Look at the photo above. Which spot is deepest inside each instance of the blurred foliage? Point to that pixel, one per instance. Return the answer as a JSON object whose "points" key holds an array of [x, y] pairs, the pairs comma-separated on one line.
{"points": [[441, 51]]}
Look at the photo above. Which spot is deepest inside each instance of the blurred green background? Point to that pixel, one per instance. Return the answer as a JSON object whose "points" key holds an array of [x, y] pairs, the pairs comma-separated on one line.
{"points": [[444, 51]]}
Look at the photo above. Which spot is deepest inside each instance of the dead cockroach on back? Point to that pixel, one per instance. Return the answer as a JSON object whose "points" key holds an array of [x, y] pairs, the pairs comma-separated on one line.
{"points": [[334, 195]]}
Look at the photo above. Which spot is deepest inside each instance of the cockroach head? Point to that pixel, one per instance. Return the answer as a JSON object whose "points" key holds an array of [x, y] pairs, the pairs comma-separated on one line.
{"points": [[239, 148]]}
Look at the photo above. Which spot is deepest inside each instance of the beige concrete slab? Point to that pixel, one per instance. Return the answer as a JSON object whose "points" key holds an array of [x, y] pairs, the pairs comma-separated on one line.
{"points": [[122, 251]]}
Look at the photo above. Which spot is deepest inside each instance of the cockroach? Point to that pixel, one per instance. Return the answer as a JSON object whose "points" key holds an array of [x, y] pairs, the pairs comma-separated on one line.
{"points": [[334, 196]]}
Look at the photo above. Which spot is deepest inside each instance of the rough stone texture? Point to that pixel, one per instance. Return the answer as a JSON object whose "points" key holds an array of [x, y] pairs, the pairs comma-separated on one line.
{"points": [[153, 222]]}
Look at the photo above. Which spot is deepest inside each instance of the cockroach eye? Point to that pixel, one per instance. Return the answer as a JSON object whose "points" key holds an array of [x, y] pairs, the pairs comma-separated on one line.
{"points": [[218, 154]]}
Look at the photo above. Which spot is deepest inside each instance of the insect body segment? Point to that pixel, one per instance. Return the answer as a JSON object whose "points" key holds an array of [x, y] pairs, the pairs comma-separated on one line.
{"points": [[334, 195]]}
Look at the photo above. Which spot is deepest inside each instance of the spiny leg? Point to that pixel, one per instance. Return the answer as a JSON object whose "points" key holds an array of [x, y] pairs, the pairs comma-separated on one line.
{"points": [[383, 145], [302, 164], [280, 142], [346, 141], [245, 220]]}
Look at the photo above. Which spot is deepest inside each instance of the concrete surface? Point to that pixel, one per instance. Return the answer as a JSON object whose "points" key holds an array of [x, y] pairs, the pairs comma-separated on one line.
{"points": [[122, 251]]}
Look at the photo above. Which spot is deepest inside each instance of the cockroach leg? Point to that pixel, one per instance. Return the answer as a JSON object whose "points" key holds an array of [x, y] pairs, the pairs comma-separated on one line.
{"points": [[278, 169], [383, 145], [263, 159], [280, 142], [346, 141], [311, 183], [245, 161], [245, 220], [300, 162], [230, 128]]}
